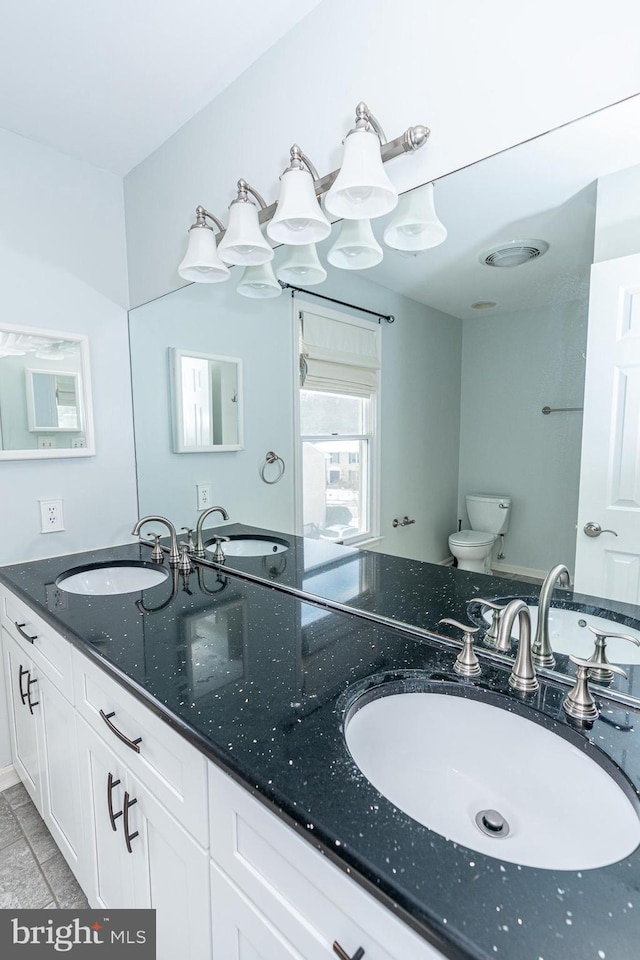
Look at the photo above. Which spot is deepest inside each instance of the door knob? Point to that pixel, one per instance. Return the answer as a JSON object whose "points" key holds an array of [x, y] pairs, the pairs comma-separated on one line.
{"points": [[594, 530]]}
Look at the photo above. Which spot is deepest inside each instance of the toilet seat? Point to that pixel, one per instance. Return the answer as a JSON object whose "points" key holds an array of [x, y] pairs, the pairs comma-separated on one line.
{"points": [[472, 538]]}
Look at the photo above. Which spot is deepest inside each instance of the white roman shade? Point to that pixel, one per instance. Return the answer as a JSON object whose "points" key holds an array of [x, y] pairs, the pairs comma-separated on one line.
{"points": [[338, 356]]}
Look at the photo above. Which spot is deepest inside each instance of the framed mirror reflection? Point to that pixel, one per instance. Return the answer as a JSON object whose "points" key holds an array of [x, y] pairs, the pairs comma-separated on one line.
{"points": [[206, 402], [45, 394]]}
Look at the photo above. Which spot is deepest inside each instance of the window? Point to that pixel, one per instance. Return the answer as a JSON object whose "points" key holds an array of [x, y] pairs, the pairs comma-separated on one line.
{"points": [[338, 416]]}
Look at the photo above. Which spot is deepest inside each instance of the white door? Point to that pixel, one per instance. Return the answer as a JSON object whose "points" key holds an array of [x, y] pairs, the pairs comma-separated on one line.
{"points": [[608, 564]]}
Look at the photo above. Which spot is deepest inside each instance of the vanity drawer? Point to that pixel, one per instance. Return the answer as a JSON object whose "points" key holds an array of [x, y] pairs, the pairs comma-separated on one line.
{"points": [[46, 648], [311, 902], [173, 770]]}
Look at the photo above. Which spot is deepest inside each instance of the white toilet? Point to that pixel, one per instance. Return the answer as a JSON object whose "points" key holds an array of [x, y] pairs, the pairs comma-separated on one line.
{"points": [[489, 517]]}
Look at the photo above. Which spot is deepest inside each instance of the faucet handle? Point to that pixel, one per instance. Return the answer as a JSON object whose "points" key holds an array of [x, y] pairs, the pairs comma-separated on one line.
{"points": [[157, 554], [491, 636], [579, 702], [467, 663], [218, 554], [189, 533], [602, 670]]}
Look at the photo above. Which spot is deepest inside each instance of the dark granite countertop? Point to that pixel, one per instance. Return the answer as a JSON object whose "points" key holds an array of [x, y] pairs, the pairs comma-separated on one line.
{"points": [[260, 680], [412, 592]]}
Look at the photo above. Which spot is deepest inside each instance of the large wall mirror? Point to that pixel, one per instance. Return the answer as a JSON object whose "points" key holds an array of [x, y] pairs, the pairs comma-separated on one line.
{"points": [[45, 397], [475, 354]]}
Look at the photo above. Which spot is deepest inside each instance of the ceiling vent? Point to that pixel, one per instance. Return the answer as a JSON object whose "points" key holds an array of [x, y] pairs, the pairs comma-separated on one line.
{"points": [[514, 253]]}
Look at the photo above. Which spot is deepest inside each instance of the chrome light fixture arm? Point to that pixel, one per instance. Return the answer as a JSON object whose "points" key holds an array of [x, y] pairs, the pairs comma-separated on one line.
{"points": [[299, 160], [201, 219], [243, 189]]}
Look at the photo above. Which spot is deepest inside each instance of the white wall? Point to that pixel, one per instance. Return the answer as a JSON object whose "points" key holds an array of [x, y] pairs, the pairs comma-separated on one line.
{"points": [[481, 79], [507, 446], [63, 267], [617, 231]]}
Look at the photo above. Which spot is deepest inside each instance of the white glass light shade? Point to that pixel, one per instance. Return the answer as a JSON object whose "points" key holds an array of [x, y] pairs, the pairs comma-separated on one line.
{"points": [[259, 282], [415, 224], [362, 189], [298, 218], [356, 248], [243, 242], [201, 262], [301, 265]]}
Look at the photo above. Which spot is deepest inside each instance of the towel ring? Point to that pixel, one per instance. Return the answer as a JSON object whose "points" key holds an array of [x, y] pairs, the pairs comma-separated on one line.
{"points": [[270, 458]]}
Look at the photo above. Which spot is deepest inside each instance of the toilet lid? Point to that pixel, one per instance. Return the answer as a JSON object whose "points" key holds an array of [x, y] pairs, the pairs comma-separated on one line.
{"points": [[472, 538]]}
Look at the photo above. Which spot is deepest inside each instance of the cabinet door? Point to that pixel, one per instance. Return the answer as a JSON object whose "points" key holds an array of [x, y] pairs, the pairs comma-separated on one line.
{"points": [[112, 877], [60, 772], [240, 932], [149, 860], [22, 701], [174, 877]]}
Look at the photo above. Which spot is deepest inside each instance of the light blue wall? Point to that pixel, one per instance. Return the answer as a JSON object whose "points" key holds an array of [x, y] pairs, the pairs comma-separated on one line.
{"points": [[512, 366], [419, 421]]}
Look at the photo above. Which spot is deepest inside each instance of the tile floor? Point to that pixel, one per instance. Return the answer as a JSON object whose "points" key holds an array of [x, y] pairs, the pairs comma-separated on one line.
{"points": [[33, 872]]}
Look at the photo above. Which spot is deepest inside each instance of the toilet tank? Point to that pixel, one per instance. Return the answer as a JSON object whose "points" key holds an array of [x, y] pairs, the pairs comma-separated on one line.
{"points": [[489, 512]]}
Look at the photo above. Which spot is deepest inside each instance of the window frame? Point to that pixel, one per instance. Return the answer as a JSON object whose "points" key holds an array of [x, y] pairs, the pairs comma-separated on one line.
{"points": [[299, 306]]}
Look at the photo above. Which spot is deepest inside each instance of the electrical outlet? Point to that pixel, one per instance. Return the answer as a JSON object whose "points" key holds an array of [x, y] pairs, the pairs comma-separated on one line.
{"points": [[55, 597], [45, 443], [203, 495], [51, 516], [78, 442]]}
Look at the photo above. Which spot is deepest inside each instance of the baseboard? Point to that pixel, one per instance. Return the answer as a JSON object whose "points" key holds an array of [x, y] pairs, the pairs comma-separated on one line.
{"points": [[8, 777], [520, 571]]}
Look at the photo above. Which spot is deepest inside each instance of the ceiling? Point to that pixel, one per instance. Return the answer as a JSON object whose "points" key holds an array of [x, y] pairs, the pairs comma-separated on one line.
{"points": [[543, 189], [109, 82]]}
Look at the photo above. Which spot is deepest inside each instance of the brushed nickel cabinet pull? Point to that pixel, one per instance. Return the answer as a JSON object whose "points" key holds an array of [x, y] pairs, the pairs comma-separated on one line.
{"points": [[119, 734], [343, 953], [128, 837], [111, 783], [19, 628]]}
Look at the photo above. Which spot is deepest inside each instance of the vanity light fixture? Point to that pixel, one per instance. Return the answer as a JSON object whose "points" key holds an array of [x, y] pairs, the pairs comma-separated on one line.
{"points": [[299, 218], [415, 225], [357, 192], [356, 247], [302, 265], [243, 242], [201, 262], [362, 189], [259, 282]]}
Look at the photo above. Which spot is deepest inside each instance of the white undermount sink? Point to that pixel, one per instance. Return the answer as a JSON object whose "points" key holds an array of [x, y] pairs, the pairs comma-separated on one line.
{"points": [[493, 781], [247, 545], [111, 578], [569, 635]]}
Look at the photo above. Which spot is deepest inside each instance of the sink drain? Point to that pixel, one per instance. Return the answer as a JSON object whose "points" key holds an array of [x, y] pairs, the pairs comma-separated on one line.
{"points": [[492, 823]]}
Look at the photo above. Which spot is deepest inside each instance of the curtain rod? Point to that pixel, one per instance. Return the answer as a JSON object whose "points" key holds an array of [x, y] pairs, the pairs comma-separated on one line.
{"points": [[389, 317]]}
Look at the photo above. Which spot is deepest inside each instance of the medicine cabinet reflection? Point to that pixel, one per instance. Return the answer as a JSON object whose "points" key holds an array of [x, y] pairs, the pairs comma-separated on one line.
{"points": [[206, 402], [45, 395]]}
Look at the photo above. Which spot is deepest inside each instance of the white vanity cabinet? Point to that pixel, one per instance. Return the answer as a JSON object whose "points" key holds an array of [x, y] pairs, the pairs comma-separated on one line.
{"points": [[275, 897], [42, 723], [140, 855], [19, 670]]}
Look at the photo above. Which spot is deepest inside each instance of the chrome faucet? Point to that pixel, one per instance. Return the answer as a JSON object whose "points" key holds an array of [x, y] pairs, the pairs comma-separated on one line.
{"points": [[542, 652], [523, 676], [199, 550], [174, 553]]}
